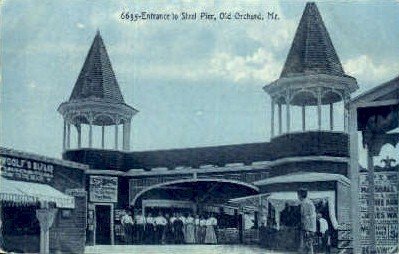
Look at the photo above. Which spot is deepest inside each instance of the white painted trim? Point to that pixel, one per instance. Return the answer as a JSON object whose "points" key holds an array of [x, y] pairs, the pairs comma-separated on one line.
{"points": [[303, 177], [251, 168], [254, 168]]}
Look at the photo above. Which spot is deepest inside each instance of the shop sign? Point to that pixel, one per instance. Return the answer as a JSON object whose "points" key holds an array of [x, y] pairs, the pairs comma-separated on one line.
{"points": [[103, 189], [76, 192], [25, 169]]}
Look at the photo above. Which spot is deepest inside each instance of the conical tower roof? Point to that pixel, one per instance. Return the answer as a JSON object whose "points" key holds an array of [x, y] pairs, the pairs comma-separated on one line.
{"points": [[312, 51], [97, 79]]}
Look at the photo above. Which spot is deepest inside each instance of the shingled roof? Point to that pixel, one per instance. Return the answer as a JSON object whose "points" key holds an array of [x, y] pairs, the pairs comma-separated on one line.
{"points": [[97, 78], [312, 51]]}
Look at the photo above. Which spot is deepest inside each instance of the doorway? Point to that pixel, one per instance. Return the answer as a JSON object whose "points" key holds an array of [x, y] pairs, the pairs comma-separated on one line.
{"points": [[104, 224]]}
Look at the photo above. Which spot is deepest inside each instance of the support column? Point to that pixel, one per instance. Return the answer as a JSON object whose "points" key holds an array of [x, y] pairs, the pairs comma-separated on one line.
{"points": [[287, 101], [126, 136], [116, 136], [64, 137], [46, 218], [331, 116], [103, 137], [280, 122], [303, 118], [346, 115], [90, 135], [68, 136], [319, 108], [79, 130], [272, 119], [371, 200], [354, 177]]}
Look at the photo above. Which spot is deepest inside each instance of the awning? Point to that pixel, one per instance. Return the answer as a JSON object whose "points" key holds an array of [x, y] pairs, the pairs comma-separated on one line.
{"points": [[27, 192]]}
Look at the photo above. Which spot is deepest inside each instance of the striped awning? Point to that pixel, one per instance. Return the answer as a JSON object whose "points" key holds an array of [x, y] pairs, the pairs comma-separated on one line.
{"points": [[27, 192]]}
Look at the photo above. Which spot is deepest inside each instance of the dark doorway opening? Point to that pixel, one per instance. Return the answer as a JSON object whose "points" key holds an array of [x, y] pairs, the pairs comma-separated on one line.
{"points": [[20, 225], [103, 224]]}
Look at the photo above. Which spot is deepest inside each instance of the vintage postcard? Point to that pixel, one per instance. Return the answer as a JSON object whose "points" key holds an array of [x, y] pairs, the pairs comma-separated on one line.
{"points": [[213, 126]]}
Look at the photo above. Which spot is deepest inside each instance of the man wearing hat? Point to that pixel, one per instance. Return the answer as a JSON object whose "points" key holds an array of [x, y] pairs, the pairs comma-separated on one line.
{"points": [[308, 222]]}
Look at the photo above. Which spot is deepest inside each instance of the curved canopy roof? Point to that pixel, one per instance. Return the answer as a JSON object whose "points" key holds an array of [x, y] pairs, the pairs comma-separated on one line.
{"points": [[207, 190]]}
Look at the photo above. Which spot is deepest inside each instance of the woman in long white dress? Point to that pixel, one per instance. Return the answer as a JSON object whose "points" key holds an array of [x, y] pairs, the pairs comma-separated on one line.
{"points": [[190, 229], [210, 235], [202, 229]]}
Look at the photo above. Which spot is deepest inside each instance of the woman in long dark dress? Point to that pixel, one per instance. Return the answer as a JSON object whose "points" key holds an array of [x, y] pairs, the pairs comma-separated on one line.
{"points": [[178, 227], [167, 237], [149, 229]]}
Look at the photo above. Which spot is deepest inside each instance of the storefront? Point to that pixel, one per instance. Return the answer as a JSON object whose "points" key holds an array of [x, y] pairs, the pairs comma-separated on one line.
{"points": [[43, 203]]}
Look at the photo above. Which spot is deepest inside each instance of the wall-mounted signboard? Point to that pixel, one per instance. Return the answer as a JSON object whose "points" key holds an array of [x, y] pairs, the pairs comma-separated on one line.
{"points": [[26, 169], [103, 189]]}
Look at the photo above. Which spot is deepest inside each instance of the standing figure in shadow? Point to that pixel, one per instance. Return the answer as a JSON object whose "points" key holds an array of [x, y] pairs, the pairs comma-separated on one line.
{"points": [[168, 236], [149, 229], [178, 227]]}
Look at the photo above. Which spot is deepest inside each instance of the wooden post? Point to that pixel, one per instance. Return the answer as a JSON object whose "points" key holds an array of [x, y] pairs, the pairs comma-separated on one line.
{"points": [[280, 120], [303, 118], [90, 135], [103, 137], [272, 119], [64, 137], [116, 136], [331, 116], [79, 130], [371, 200], [354, 177], [319, 108]]}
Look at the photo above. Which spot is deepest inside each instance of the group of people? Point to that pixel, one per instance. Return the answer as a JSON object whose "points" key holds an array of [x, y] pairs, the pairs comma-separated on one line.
{"points": [[175, 228]]}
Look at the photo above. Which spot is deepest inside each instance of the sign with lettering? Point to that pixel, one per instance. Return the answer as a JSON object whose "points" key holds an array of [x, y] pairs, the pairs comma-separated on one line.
{"points": [[103, 189], [386, 209], [76, 192], [26, 169]]}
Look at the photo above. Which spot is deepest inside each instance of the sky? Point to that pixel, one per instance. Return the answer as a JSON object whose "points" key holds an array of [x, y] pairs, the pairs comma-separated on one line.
{"points": [[195, 83]]}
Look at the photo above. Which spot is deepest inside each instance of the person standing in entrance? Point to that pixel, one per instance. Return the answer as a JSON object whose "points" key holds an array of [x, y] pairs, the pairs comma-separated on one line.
{"points": [[190, 229], [140, 222], [308, 222], [160, 223], [149, 229], [323, 234], [127, 225], [168, 237], [178, 226], [210, 235]]}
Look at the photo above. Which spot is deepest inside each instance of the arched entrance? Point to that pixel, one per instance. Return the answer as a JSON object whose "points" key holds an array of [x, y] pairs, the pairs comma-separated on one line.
{"points": [[201, 198], [195, 191]]}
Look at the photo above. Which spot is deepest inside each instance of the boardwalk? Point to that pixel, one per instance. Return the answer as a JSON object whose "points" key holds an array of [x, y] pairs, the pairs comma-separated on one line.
{"points": [[177, 249]]}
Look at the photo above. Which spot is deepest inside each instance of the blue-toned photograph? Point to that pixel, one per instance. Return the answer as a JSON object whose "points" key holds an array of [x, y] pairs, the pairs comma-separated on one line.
{"points": [[213, 126]]}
